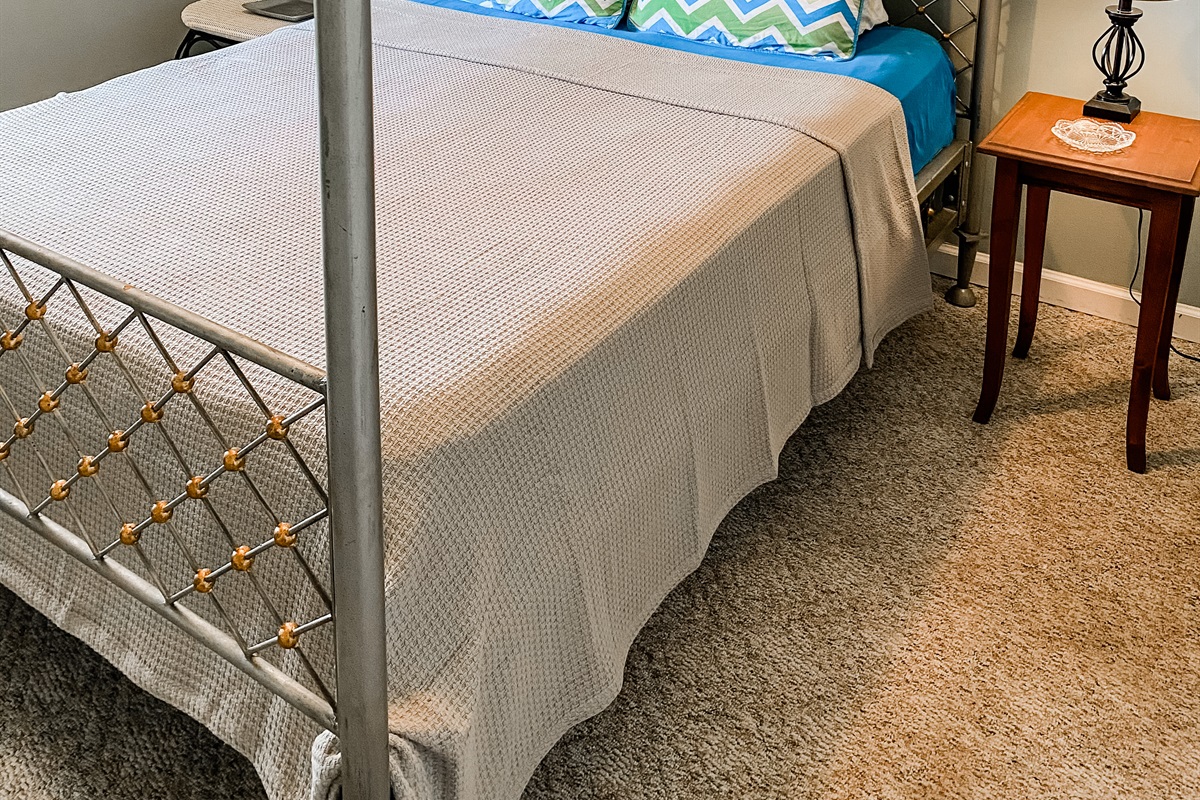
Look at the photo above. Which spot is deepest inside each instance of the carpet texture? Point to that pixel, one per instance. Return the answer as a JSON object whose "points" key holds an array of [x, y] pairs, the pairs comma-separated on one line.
{"points": [[920, 607]]}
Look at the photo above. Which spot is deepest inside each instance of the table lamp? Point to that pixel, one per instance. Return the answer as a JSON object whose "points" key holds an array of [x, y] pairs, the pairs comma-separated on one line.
{"points": [[1119, 55]]}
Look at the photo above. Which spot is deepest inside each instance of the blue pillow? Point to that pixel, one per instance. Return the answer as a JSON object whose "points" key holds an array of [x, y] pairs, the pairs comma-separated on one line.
{"points": [[605, 13]]}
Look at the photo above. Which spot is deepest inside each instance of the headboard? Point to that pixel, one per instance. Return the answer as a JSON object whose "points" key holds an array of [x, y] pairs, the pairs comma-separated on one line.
{"points": [[969, 30]]}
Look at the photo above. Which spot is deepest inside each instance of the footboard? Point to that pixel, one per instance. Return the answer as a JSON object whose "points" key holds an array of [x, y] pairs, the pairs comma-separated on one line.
{"points": [[175, 458]]}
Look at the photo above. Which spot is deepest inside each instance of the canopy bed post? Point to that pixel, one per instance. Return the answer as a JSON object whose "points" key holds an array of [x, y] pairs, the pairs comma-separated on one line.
{"points": [[983, 81], [352, 415]]}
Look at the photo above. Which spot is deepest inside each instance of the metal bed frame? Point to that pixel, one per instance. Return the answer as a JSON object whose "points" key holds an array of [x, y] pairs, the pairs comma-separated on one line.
{"points": [[348, 394]]}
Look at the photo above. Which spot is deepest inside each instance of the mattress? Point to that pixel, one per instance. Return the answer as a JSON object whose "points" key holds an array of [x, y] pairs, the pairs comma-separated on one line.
{"points": [[907, 63], [597, 331]]}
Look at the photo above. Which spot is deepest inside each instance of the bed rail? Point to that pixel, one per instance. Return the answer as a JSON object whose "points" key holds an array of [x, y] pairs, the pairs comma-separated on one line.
{"points": [[201, 327]]}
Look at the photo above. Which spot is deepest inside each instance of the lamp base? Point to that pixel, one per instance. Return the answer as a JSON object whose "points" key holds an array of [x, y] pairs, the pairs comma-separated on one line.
{"points": [[1119, 109]]}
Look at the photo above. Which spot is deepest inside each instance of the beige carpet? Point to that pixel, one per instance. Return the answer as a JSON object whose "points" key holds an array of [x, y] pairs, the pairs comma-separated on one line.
{"points": [[919, 607]]}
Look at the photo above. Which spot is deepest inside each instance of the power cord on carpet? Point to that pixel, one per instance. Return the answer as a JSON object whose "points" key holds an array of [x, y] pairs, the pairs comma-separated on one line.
{"points": [[1137, 268]]}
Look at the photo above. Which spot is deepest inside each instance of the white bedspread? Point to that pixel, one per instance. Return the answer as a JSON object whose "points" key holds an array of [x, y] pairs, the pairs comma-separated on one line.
{"points": [[613, 280]]}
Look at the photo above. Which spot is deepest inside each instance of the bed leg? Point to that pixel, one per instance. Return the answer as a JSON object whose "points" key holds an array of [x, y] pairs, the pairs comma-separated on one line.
{"points": [[961, 294], [983, 82]]}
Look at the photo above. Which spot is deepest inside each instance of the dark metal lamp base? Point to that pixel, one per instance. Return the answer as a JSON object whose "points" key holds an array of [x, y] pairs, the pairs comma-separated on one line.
{"points": [[1122, 108]]}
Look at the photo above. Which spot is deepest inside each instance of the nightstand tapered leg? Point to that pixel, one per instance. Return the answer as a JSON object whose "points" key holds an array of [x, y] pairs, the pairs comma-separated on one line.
{"points": [[1162, 384], [1165, 217], [1006, 213], [1037, 210]]}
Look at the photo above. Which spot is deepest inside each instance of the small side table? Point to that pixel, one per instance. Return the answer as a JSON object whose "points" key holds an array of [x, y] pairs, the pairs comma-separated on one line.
{"points": [[1159, 172], [220, 23]]}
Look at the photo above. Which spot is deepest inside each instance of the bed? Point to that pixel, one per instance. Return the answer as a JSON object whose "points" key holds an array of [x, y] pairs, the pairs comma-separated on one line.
{"points": [[193, 373]]}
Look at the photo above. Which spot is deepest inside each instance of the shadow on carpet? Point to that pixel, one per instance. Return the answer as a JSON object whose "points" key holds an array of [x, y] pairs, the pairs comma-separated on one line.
{"points": [[918, 607]]}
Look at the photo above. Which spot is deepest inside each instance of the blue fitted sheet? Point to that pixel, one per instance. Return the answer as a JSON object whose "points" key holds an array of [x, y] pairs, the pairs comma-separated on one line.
{"points": [[907, 63]]}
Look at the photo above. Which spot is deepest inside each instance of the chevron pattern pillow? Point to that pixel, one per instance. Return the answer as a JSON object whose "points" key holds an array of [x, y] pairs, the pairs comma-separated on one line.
{"points": [[606, 13], [827, 28]]}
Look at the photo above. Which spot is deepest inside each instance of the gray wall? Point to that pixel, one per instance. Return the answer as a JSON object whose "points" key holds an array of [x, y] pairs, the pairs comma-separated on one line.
{"points": [[1046, 47], [51, 46]]}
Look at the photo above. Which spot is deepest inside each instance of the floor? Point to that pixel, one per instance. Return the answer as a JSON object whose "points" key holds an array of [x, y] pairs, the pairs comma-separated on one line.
{"points": [[920, 607]]}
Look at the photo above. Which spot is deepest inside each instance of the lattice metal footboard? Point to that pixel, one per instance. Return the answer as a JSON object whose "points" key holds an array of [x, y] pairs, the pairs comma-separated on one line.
{"points": [[219, 482], [161, 473]]}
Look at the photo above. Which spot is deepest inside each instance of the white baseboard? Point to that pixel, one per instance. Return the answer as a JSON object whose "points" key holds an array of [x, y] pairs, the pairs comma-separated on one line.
{"points": [[1069, 291]]}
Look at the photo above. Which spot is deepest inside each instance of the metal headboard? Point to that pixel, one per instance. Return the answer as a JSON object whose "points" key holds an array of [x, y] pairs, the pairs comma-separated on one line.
{"points": [[969, 31]]}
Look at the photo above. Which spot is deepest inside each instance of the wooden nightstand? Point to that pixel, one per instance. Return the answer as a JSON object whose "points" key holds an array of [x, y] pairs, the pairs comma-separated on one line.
{"points": [[1159, 172]]}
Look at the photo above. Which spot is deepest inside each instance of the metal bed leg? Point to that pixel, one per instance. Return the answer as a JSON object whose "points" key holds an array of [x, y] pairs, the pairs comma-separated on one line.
{"points": [[961, 294], [983, 81], [352, 415]]}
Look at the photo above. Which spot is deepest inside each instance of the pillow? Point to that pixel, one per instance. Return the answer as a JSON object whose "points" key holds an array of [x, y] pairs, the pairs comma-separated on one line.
{"points": [[605, 13], [873, 13], [827, 28]]}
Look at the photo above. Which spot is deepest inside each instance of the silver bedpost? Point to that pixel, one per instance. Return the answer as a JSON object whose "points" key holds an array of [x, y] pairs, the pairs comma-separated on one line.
{"points": [[352, 413], [983, 82]]}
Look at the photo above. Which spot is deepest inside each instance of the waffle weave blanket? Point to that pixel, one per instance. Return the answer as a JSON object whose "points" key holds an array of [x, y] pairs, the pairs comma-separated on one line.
{"points": [[613, 280]]}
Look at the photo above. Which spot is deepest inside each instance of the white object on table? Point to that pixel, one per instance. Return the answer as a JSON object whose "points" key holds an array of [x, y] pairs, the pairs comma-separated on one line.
{"points": [[1093, 136]]}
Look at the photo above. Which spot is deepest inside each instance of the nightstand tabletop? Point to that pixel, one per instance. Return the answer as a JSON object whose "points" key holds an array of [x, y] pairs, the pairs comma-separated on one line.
{"points": [[1165, 155]]}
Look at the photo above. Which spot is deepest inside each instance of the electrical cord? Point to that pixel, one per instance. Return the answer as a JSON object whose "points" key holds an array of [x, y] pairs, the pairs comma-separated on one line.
{"points": [[1137, 268]]}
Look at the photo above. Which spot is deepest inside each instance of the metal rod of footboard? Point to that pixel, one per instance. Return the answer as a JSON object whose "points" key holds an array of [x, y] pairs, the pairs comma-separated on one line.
{"points": [[352, 416]]}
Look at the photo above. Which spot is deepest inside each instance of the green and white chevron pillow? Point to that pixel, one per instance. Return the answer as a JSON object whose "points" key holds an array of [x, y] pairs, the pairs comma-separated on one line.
{"points": [[827, 28]]}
